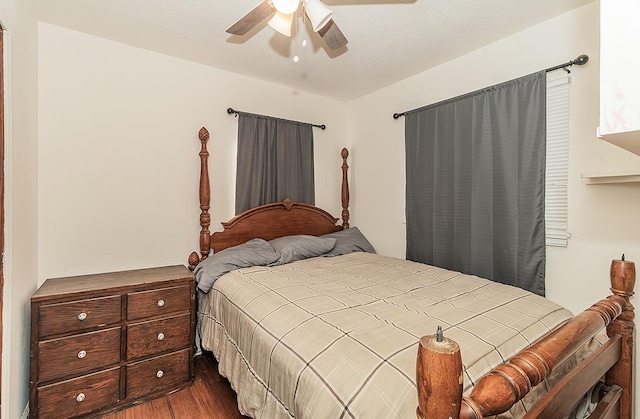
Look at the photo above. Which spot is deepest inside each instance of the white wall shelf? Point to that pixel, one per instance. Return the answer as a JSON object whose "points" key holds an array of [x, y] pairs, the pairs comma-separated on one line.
{"points": [[610, 179]]}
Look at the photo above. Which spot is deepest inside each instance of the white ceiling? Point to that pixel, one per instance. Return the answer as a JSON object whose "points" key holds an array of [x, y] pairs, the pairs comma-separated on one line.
{"points": [[389, 40]]}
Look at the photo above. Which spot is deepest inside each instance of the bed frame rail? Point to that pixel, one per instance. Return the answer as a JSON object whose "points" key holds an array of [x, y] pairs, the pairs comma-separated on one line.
{"points": [[564, 397], [498, 390]]}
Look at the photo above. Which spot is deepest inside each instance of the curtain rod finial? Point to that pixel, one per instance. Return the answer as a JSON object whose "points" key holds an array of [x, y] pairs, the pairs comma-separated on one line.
{"points": [[581, 60]]}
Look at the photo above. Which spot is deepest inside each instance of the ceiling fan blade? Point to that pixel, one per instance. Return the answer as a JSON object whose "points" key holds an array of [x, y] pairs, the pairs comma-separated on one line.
{"points": [[332, 35], [251, 19]]}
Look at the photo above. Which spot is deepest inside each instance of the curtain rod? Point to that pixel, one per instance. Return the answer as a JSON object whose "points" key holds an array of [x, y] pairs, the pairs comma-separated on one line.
{"points": [[580, 60], [231, 111]]}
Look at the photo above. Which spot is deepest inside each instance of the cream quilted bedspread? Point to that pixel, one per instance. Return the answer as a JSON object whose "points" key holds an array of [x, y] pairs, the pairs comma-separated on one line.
{"points": [[337, 337]]}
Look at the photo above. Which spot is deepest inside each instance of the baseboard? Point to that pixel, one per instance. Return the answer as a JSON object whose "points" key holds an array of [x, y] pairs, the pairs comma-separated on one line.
{"points": [[25, 412]]}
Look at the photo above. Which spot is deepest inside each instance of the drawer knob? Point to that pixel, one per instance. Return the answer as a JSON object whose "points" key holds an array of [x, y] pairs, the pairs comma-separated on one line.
{"points": [[160, 336], [82, 354], [160, 373], [82, 316], [160, 303], [80, 397]]}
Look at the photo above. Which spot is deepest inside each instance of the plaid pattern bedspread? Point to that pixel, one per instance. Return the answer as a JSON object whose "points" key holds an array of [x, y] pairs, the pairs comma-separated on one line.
{"points": [[337, 337]]}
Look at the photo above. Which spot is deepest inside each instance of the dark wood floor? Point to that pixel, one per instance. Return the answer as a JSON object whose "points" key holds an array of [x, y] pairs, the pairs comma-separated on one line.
{"points": [[210, 396]]}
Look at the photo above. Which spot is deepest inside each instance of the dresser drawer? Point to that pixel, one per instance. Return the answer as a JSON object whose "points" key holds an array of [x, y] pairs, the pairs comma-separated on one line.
{"points": [[78, 315], [158, 373], [156, 336], [79, 396], [158, 302], [66, 357]]}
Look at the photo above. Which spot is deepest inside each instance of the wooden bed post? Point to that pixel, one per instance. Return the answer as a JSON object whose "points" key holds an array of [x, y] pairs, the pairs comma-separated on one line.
{"points": [[205, 199], [623, 280], [437, 357], [345, 189]]}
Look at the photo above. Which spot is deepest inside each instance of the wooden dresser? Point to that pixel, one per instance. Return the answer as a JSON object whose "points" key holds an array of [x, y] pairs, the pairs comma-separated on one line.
{"points": [[103, 342]]}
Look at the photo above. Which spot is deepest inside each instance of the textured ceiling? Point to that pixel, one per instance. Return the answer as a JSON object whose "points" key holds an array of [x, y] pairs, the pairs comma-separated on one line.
{"points": [[389, 40]]}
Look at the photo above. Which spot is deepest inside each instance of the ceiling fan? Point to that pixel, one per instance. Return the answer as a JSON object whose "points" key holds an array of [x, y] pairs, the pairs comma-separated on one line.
{"points": [[318, 14]]}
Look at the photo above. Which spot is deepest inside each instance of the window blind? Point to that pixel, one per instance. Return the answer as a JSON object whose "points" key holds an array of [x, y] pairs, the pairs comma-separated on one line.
{"points": [[557, 165]]}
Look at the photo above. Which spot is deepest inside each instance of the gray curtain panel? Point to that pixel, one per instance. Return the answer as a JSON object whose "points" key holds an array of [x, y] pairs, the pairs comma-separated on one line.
{"points": [[475, 168], [275, 161]]}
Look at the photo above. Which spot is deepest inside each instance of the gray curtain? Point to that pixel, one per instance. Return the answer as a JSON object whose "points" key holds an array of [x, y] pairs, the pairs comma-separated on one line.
{"points": [[275, 161], [475, 169]]}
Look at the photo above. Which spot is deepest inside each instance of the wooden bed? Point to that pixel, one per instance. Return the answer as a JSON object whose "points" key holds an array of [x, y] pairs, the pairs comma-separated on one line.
{"points": [[607, 373]]}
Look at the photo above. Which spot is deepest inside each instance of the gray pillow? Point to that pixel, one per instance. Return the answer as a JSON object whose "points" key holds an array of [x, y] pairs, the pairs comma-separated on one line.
{"points": [[349, 241], [298, 247], [255, 252]]}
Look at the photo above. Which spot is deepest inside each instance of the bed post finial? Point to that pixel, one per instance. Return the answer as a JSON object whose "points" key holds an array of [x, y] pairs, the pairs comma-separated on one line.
{"points": [[438, 357], [623, 281], [345, 189], [205, 199]]}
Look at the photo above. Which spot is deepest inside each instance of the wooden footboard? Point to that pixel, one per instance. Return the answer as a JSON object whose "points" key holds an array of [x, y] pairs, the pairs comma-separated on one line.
{"points": [[506, 384]]}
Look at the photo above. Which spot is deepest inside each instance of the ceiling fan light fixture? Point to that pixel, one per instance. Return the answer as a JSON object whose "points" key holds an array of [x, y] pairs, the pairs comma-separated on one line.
{"points": [[282, 23], [286, 7], [319, 14]]}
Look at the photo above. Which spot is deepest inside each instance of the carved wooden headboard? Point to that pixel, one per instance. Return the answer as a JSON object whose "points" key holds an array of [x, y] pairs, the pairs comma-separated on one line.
{"points": [[268, 221]]}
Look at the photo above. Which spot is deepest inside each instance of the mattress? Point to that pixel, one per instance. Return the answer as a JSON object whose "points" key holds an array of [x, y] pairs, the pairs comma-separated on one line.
{"points": [[336, 337]]}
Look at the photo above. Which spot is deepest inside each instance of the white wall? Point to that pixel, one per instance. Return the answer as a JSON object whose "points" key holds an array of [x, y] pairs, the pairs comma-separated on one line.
{"points": [[118, 147], [603, 219], [20, 258]]}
